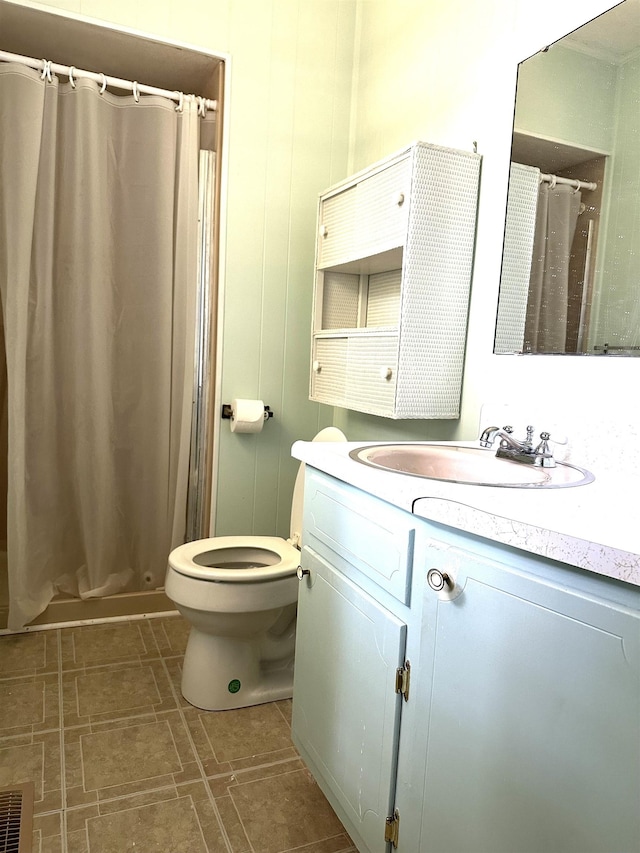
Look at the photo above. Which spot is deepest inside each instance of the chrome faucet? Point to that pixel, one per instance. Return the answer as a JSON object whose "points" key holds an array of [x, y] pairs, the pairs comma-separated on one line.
{"points": [[519, 451]]}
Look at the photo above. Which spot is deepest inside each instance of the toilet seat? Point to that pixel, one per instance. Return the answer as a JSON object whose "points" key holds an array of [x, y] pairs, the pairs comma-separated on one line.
{"points": [[236, 559], [249, 559]]}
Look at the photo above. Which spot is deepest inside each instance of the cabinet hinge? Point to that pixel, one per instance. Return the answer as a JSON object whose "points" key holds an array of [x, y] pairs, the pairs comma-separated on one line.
{"points": [[392, 828], [403, 677]]}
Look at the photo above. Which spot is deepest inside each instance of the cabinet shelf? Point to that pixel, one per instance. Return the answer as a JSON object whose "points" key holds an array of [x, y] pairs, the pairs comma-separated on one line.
{"points": [[354, 332], [394, 258]]}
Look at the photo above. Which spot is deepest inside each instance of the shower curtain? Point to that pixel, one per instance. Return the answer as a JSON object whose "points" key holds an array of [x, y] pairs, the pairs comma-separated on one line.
{"points": [[548, 301], [98, 268]]}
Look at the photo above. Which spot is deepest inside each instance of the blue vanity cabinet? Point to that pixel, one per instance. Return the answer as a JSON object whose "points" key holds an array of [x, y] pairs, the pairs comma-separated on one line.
{"points": [[530, 685], [346, 713], [520, 732], [351, 640]]}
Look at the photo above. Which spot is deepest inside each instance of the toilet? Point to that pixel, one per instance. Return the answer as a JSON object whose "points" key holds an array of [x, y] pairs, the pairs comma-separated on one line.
{"points": [[239, 593]]}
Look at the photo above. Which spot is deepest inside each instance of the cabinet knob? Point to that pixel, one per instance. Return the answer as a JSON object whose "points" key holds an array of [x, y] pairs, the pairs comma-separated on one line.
{"points": [[316, 367], [324, 231], [399, 199], [302, 572], [438, 580], [386, 373]]}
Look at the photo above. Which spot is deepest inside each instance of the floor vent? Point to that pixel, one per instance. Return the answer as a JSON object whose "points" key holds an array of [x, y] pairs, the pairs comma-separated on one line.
{"points": [[16, 818]]}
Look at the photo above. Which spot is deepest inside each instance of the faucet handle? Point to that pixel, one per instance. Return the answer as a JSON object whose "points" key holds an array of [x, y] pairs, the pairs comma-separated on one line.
{"points": [[544, 457], [556, 438]]}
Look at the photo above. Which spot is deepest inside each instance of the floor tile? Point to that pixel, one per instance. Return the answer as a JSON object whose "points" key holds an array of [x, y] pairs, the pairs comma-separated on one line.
{"points": [[158, 828], [133, 780], [129, 754], [286, 812], [245, 732], [285, 706], [171, 634], [108, 761], [115, 691], [247, 831], [112, 642], [47, 833], [34, 759], [30, 704], [33, 653], [179, 819]]}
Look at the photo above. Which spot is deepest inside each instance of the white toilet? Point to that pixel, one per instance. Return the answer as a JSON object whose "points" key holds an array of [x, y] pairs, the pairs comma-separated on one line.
{"points": [[240, 595]]}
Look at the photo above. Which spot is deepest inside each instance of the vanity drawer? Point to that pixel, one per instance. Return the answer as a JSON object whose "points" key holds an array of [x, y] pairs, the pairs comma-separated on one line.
{"points": [[353, 530]]}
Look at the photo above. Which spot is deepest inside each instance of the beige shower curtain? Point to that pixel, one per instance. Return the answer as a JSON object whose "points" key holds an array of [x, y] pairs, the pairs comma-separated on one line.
{"points": [[548, 303], [98, 224]]}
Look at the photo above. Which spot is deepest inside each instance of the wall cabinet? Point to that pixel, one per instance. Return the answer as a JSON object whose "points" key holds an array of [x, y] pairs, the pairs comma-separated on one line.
{"points": [[394, 259], [521, 728]]}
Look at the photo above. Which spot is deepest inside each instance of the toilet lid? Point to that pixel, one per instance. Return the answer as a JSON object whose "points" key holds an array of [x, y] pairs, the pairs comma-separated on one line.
{"points": [[236, 559], [326, 434]]}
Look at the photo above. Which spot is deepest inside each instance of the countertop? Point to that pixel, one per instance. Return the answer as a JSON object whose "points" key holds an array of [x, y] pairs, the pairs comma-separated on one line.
{"points": [[594, 526]]}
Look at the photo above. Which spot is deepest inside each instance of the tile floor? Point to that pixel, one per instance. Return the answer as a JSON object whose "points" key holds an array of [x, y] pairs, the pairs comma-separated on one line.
{"points": [[94, 717]]}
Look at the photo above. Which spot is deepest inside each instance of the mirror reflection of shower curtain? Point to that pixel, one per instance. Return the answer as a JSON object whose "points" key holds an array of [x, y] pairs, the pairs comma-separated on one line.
{"points": [[98, 256], [547, 305]]}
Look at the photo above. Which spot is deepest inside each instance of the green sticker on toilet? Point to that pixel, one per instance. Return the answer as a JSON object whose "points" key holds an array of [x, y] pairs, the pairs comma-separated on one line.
{"points": [[234, 685]]}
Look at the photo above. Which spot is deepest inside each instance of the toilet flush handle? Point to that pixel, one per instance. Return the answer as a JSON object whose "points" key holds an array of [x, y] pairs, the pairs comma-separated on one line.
{"points": [[302, 572]]}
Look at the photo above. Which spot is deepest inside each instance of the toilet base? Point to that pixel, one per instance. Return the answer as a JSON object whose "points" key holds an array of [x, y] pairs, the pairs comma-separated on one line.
{"points": [[222, 673]]}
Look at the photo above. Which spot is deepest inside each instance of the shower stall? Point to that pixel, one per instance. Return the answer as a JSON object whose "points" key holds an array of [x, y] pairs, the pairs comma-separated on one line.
{"points": [[108, 276]]}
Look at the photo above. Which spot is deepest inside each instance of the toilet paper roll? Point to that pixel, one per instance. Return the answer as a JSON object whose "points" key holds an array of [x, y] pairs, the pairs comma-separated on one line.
{"points": [[248, 415]]}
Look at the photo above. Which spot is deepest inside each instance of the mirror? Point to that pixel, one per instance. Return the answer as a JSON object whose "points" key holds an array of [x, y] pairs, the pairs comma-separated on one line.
{"points": [[570, 280]]}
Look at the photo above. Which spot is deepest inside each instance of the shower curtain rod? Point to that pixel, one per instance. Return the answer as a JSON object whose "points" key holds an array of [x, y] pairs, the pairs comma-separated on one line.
{"points": [[578, 185], [48, 68]]}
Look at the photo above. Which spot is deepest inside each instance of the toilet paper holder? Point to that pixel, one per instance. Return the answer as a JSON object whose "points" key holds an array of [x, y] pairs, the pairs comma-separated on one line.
{"points": [[227, 412]]}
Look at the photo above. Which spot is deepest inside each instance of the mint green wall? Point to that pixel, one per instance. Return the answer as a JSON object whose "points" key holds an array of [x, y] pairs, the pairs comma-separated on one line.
{"points": [[289, 111], [581, 110], [445, 71], [618, 317], [320, 88]]}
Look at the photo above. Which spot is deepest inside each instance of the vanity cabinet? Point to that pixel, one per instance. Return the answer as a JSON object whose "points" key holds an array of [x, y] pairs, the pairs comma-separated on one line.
{"points": [[394, 259], [351, 638], [521, 727]]}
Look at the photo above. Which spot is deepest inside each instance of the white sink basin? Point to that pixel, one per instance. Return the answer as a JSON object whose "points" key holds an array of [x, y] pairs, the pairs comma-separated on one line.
{"points": [[468, 465]]}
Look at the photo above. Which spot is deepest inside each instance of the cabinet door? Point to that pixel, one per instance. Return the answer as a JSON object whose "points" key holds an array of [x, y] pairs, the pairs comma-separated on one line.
{"points": [[382, 211], [371, 374], [329, 371], [534, 727], [345, 709], [336, 227]]}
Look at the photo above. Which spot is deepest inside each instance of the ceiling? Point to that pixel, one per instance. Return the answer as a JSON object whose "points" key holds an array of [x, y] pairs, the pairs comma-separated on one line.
{"points": [[614, 35], [100, 47]]}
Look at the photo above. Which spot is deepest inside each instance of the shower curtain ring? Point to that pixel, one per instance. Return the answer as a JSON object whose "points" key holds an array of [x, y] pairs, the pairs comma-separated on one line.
{"points": [[46, 70], [552, 182], [202, 109], [136, 94], [103, 81], [72, 71], [180, 103]]}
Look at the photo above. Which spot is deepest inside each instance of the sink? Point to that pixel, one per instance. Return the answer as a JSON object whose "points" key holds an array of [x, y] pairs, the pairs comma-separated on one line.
{"points": [[477, 466]]}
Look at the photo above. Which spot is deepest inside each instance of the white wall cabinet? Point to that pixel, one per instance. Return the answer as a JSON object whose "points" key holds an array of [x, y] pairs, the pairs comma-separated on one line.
{"points": [[394, 259], [521, 730]]}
